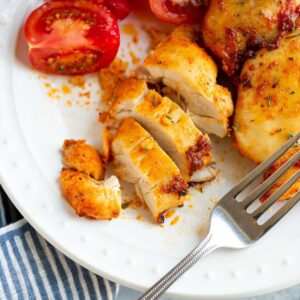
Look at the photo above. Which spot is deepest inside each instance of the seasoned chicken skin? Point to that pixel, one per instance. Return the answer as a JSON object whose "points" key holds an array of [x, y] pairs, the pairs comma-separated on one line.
{"points": [[183, 66], [91, 198], [234, 29], [169, 125], [296, 168], [106, 138], [139, 160], [82, 157], [268, 105]]}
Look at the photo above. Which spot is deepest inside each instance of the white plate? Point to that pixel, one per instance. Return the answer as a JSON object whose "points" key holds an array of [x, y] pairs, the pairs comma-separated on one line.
{"points": [[134, 253]]}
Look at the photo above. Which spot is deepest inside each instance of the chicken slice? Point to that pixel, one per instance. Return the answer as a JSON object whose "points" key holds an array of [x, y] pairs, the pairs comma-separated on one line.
{"points": [[82, 157], [182, 65], [170, 126], [233, 30], [268, 103], [91, 198], [295, 187], [139, 160], [106, 138]]}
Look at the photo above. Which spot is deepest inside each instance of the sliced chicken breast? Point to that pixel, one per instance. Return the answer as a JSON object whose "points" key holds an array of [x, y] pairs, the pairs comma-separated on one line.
{"points": [[182, 65], [91, 198], [140, 160], [170, 126]]}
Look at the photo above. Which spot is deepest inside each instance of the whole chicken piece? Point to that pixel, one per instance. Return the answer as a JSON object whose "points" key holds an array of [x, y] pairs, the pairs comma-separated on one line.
{"points": [[234, 29], [267, 113]]}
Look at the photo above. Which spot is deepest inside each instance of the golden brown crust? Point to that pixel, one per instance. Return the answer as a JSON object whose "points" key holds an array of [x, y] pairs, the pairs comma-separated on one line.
{"points": [[110, 77], [177, 185], [268, 105], [90, 198], [234, 30], [82, 157], [199, 154], [141, 161], [129, 89], [186, 69], [156, 36], [106, 138], [296, 186], [178, 126], [180, 52], [145, 152]]}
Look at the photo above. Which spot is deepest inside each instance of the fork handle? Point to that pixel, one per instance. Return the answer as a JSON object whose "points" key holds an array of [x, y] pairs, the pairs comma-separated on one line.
{"points": [[206, 246]]}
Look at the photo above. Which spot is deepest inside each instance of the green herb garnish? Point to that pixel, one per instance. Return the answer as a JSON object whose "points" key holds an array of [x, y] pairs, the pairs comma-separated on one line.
{"points": [[124, 205], [171, 120], [236, 127], [154, 102], [293, 36], [269, 99]]}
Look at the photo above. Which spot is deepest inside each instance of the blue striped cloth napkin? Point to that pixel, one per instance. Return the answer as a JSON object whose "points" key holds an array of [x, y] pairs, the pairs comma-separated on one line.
{"points": [[30, 268]]}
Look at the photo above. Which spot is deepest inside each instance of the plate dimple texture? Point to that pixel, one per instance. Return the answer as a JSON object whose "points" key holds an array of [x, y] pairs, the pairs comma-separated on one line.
{"points": [[83, 239], [233, 274], [105, 252], [65, 224], [261, 270], [3, 20], [4, 141]]}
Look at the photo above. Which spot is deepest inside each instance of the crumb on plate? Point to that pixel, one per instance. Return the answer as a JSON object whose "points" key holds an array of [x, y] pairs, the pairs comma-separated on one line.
{"points": [[78, 81], [110, 77], [130, 29], [174, 221]]}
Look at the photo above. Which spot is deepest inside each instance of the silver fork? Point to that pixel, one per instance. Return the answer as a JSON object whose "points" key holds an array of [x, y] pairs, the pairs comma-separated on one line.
{"points": [[231, 226]]}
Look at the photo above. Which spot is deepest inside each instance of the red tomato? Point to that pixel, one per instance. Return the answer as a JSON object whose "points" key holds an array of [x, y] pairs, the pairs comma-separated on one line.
{"points": [[171, 12], [120, 8], [71, 37]]}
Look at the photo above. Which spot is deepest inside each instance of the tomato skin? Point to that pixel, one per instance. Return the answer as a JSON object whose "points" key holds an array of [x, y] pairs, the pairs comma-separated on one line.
{"points": [[71, 37], [120, 8], [166, 11]]}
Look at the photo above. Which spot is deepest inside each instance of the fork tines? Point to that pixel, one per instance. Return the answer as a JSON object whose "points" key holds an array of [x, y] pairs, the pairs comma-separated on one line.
{"points": [[267, 164], [267, 184]]}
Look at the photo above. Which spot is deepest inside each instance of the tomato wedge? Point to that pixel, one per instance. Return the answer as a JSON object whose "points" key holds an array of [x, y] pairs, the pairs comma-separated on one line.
{"points": [[177, 12], [120, 8], [71, 37]]}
